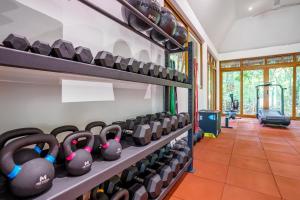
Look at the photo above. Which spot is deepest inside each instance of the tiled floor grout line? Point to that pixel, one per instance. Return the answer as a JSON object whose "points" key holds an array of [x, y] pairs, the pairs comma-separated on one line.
{"points": [[273, 175]]}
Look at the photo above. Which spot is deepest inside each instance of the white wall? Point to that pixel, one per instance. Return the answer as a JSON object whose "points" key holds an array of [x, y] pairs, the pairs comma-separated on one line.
{"points": [[275, 28], [30, 99], [275, 50]]}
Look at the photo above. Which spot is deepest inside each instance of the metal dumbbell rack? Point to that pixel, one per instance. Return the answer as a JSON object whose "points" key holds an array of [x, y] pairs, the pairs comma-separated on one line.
{"points": [[72, 187]]}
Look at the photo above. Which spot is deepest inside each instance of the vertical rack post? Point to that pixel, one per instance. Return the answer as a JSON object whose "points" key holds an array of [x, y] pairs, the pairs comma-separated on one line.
{"points": [[167, 88], [191, 98]]}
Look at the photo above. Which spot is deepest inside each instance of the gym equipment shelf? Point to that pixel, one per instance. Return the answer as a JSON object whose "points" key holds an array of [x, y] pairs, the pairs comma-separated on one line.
{"points": [[72, 187], [26, 60], [166, 190]]}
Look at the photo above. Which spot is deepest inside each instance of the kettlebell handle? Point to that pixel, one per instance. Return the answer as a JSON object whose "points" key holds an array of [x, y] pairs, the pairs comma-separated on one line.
{"points": [[69, 154], [63, 129], [5, 137], [95, 124], [7, 163], [106, 130]]}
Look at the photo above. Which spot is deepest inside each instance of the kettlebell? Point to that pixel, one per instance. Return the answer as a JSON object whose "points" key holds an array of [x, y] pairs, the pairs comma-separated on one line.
{"points": [[78, 162], [24, 154], [62, 129], [34, 176], [111, 149], [89, 127]]}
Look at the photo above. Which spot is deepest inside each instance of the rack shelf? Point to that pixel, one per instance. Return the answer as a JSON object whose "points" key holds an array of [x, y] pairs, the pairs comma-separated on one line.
{"points": [[72, 187], [166, 190], [26, 60]]}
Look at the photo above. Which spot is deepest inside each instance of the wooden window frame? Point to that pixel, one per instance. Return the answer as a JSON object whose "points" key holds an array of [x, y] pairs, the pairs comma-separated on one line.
{"points": [[266, 69]]}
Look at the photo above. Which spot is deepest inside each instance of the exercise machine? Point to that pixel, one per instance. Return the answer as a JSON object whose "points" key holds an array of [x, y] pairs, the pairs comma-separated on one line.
{"points": [[231, 113], [269, 116]]}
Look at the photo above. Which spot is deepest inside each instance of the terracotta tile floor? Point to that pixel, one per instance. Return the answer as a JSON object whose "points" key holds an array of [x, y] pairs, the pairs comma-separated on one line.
{"points": [[248, 162]]}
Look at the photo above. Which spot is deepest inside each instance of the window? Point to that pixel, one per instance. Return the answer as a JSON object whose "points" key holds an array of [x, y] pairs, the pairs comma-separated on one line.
{"points": [[284, 77], [280, 59], [230, 64], [298, 58], [298, 92], [197, 57], [231, 82], [251, 78], [212, 85], [253, 62]]}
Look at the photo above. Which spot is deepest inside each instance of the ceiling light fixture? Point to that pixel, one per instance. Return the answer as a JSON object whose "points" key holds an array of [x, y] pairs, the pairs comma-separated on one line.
{"points": [[250, 8]]}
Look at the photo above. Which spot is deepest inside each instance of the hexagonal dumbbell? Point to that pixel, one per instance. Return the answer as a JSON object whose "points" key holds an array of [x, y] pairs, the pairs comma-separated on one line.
{"points": [[18, 42], [167, 159], [143, 68], [173, 119], [63, 49], [83, 54], [152, 182], [105, 59], [165, 122], [162, 72], [137, 191], [170, 74], [120, 63], [176, 75], [133, 65], [153, 69], [155, 125], [42, 48], [113, 188]]}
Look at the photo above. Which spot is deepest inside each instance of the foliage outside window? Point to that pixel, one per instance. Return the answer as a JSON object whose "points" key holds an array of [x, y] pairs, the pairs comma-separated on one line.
{"points": [[280, 59], [251, 78], [230, 64], [231, 82], [284, 77], [297, 58], [253, 62]]}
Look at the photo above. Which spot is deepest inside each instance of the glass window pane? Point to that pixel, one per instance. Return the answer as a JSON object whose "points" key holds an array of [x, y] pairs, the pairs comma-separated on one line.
{"points": [[298, 92], [253, 62], [284, 77], [231, 82], [298, 58], [280, 59], [230, 64], [251, 78]]}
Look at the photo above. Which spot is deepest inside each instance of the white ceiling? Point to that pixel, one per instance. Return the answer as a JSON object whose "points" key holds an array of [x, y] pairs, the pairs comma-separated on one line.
{"points": [[224, 21]]}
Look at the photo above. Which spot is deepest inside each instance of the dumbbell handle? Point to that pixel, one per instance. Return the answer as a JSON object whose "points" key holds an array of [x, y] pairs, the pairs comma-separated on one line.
{"points": [[138, 179]]}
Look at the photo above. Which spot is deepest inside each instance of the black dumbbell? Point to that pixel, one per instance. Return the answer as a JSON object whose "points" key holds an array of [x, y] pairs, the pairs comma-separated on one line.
{"points": [[104, 58], [156, 167], [174, 120], [165, 122], [182, 120], [152, 182], [120, 63], [18, 42], [137, 191], [97, 193], [83, 54], [113, 189], [182, 147], [187, 117], [141, 134], [153, 69], [133, 65], [156, 127], [42, 48], [168, 159], [170, 74], [181, 156], [143, 68], [176, 75], [162, 72], [63, 49]]}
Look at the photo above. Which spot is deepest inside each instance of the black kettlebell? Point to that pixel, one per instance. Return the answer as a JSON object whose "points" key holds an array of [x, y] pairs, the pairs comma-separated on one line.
{"points": [[34, 176], [78, 162], [89, 127], [111, 149], [62, 129], [24, 154]]}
